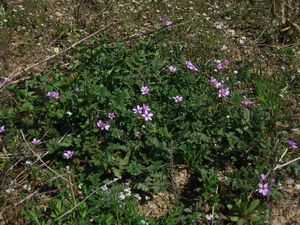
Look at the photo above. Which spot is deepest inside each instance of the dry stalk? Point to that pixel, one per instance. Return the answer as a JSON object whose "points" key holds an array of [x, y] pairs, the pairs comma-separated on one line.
{"points": [[39, 158], [86, 198]]}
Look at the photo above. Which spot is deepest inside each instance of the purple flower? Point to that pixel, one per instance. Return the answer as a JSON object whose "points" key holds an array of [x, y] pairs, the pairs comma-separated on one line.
{"points": [[147, 116], [247, 102], [53, 94], [144, 112], [36, 141], [111, 115], [145, 90], [220, 66], [138, 109], [68, 154], [191, 66], [272, 181], [172, 69], [2, 129], [165, 21], [226, 62], [102, 125], [213, 80], [223, 92], [263, 189], [178, 98], [293, 144], [218, 85], [263, 176], [5, 80]]}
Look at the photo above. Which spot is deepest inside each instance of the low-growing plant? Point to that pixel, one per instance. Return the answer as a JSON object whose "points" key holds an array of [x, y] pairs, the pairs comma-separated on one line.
{"points": [[116, 112]]}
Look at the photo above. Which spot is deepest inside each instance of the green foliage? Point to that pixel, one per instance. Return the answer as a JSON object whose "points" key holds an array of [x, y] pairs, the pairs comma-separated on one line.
{"points": [[207, 133], [247, 212]]}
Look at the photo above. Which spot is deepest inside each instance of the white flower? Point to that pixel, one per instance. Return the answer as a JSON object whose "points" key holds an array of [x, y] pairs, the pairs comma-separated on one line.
{"points": [[122, 196], [9, 190], [147, 197], [209, 216], [104, 188], [224, 47], [138, 197], [27, 187], [28, 162], [127, 191], [144, 222]]}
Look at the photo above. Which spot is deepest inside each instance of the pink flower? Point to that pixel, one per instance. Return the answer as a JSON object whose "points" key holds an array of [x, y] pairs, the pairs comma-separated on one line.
{"points": [[293, 144], [144, 112], [5, 80], [178, 98], [36, 141], [213, 80], [263, 189], [111, 115], [226, 62], [68, 154], [191, 66], [220, 66], [165, 21], [102, 125], [147, 116], [2, 129], [145, 90], [247, 102], [138, 109], [172, 69], [263, 176], [224, 92], [53, 94]]}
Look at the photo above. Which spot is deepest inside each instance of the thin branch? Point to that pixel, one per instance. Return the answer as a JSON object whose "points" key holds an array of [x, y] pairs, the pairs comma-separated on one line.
{"points": [[285, 164], [87, 197], [39, 158]]}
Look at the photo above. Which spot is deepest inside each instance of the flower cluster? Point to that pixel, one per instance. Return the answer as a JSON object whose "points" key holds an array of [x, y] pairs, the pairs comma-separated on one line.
{"points": [[223, 91], [144, 112], [102, 125], [53, 94], [68, 154], [126, 193], [263, 187], [191, 66], [264, 184], [221, 65]]}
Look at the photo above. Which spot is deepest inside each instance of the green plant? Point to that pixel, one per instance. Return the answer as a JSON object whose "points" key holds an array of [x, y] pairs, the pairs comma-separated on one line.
{"points": [[244, 211]]}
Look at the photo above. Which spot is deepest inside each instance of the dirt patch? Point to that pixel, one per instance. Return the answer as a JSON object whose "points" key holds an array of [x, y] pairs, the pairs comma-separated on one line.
{"points": [[161, 203], [287, 210]]}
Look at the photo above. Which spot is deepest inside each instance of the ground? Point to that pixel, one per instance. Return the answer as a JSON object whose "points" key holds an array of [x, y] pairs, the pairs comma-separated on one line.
{"points": [[266, 32]]}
